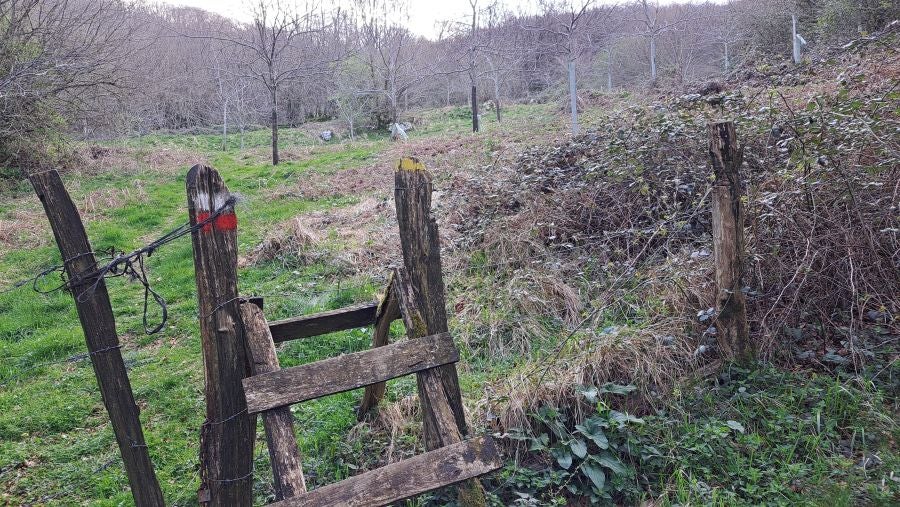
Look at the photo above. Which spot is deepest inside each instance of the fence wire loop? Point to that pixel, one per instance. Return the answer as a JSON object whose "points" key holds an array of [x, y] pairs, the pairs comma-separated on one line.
{"points": [[120, 264]]}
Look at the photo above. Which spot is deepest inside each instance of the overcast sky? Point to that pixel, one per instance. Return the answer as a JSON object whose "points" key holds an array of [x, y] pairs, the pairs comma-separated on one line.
{"points": [[423, 14]]}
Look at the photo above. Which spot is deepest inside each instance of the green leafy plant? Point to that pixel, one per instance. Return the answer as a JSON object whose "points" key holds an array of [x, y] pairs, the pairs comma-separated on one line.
{"points": [[582, 457]]}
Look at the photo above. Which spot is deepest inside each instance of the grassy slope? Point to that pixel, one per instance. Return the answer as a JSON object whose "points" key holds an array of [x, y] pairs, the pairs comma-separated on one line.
{"points": [[56, 443], [56, 440]]}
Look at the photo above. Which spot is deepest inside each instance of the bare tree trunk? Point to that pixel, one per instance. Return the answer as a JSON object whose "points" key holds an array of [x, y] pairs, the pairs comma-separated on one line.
{"points": [[225, 125], [497, 99], [274, 127], [653, 58], [573, 97], [475, 125], [727, 58], [794, 39]]}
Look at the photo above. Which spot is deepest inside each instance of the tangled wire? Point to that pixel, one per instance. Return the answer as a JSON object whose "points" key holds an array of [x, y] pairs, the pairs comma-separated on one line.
{"points": [[120, 264]]}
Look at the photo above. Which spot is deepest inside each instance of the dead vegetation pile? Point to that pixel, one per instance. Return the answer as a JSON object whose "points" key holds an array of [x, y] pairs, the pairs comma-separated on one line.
{"points": [[355, 239], [609, 234]]}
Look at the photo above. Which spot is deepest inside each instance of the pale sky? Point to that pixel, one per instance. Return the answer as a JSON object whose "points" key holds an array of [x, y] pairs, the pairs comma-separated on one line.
{"points": [[423, 14]]}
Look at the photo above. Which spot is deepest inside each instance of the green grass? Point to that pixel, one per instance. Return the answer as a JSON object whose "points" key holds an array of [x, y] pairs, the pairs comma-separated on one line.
{"points": [[759, 436], [56, 444]]}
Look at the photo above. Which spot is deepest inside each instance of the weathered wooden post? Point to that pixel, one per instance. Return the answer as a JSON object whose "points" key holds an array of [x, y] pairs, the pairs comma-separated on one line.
{"points": [[388, 311], [420, 244], [99, 325], [733, 332], [287, 466], [226, 438]]}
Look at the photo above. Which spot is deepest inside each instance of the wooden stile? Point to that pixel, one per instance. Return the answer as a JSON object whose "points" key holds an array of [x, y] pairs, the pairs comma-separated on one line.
{"points": [[360, 315], [99, 325], [413, 476], [287, 467], [226, 438], [347, 372]]}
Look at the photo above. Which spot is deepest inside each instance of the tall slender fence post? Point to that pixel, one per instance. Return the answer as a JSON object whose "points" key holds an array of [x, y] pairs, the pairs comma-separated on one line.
{"points": [[226, 439], [98, 322], [420, 244], [733, 332]]}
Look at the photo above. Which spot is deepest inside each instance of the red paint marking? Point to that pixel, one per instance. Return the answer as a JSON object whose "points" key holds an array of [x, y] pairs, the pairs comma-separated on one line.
{"points": [[226, 221], [202, 217]]}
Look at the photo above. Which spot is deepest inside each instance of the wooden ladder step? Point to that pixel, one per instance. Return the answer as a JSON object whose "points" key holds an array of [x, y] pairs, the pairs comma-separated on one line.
{"points": [[351, 371], [414, 476], [316, 324]]}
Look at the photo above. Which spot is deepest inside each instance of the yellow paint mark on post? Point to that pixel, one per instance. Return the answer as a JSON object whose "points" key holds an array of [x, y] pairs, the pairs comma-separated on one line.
{"points": [[410, 164]]}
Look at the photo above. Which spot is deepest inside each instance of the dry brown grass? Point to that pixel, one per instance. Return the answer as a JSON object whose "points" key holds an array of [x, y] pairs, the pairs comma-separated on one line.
{"points": [[358, 238]]}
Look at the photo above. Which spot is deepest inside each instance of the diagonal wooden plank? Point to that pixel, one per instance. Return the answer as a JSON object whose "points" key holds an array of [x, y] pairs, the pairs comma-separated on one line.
{"points": [[414, 476], [351, 371], [316, 324], [279, 423], [388, 311]]}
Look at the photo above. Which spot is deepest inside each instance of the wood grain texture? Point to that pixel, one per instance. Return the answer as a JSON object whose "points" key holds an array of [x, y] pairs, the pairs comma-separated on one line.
{"points": [[423, 305], [99, 325], [316, 324], [287, 466], [350, 371], [414, 476], [388, 311], [421, 249], [733, 331], [226, 439]]}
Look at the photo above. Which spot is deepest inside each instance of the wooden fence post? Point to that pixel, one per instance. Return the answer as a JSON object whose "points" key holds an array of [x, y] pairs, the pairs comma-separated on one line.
{"points": [[226, 439], [98, 322], [733, 332], [420, 244]]}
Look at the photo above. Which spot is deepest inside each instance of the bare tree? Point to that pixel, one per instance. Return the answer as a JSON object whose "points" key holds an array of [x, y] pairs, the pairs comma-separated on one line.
{"points": [[274, 44], [569, 25], [56, 57], [649, 18]]}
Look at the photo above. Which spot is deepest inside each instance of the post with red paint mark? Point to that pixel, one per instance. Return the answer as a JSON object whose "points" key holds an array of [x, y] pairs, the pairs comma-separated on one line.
{"points": [[226, 438]]}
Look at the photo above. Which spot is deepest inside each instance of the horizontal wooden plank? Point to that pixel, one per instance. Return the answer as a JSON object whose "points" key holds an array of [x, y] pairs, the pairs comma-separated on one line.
{"points": [[338, 374], [407, 478], [360, 315]]}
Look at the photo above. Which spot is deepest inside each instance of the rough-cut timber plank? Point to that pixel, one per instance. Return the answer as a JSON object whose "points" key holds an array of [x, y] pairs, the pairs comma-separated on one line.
{"points": [[733, 334], [226, 439], [388, 311], [96, 316], [360, 315], [287, 466], [414, 476], [347, 372]]}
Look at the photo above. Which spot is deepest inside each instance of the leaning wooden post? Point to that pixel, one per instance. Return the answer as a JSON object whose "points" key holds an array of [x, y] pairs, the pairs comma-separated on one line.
{"points": [[226, 438], [284, 455], [99, 325], [733, 331], [387, 312], [420, 244]]}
